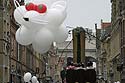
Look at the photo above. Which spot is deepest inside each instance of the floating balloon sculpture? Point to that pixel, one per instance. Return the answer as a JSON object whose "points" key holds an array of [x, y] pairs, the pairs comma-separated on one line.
{"points": [[40, 23], [28, 77]]}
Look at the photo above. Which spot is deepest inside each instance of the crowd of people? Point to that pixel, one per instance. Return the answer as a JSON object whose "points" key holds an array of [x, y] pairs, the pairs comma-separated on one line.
{"points": [[78, 73]]}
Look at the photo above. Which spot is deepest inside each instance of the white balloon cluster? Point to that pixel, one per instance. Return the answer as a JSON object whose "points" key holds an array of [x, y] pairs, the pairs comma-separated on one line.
{"points": [[28, 77], [41, 27]]}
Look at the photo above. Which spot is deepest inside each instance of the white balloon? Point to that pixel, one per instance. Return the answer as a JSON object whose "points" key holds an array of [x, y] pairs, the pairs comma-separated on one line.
{"points": [[62, 34], [57, 0], [60, 5], [43, 39], [34, 79], [31, 14], [54, 17], [37, 82], [39, 48], [24, 36], [27, 1], [35, 20], [46, 2], [52, 28], [60, 8], [40, 28], [19, 13], [27, 77]]}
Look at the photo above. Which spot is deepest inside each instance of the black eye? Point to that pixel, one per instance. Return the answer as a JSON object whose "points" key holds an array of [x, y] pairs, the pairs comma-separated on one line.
{"points": [[26, 19]]}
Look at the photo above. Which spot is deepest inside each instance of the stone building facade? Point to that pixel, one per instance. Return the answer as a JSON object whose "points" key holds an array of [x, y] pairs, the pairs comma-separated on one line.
{"points": [[111, 54], [15, 59]]}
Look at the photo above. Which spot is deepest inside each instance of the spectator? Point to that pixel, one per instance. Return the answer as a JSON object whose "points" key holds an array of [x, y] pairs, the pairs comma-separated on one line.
{"points": [[63, 74], [90, 75]]}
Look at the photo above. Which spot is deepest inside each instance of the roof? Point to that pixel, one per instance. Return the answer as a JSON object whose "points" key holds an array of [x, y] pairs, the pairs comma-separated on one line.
{"points": [[105, 24]]}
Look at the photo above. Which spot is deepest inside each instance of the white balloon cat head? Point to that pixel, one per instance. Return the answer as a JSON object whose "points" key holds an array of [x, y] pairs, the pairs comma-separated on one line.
{"points": [[40, 13], [40, 22]]}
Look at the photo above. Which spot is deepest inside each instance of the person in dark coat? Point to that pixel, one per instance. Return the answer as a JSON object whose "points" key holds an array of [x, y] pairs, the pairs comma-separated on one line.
{"points": [[80, 73], [63, 74], [70, 75], [90, 75]]}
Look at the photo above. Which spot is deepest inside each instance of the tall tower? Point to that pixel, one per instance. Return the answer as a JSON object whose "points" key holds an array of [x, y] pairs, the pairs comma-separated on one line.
{"points": [[78, 45]]}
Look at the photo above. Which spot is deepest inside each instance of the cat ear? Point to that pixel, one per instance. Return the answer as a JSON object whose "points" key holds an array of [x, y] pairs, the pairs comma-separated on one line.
{"points": [[16, 3], [28, 1], [57, 0], [61, 5]]}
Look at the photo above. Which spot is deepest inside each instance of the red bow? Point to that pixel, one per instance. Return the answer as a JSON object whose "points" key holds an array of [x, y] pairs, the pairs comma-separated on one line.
{"points": [[41, 8]]}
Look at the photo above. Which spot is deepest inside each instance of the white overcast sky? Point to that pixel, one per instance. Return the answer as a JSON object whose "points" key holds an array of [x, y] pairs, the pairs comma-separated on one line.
{"points": [[86, 13]]}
